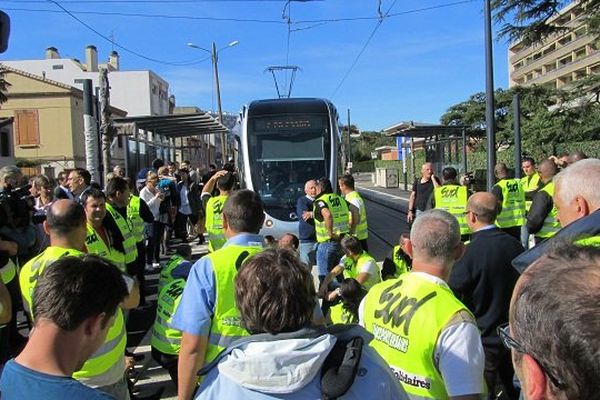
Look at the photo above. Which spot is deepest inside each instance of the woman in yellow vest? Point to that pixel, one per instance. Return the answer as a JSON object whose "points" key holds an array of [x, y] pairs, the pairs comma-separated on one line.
{"points": [[356, 264], [346, 311]]}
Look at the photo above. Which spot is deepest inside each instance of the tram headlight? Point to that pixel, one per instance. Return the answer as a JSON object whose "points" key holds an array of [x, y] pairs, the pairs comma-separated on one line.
{"points": [[268, 223]]}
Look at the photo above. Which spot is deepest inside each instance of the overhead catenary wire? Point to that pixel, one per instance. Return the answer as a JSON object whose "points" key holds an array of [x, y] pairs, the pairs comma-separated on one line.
{"points": [[222, 19], [360, 53], [135, 53], [316, 23]]}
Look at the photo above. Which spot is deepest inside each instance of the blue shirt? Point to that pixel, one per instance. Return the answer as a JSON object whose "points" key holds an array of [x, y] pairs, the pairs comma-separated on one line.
{"points": [[197, 306], [306, 230], [182, 271], [19, 382]]}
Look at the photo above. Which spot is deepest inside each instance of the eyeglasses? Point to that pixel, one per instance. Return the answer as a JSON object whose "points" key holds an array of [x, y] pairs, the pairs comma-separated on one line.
{"points": [[511, 344], [469, 211]]}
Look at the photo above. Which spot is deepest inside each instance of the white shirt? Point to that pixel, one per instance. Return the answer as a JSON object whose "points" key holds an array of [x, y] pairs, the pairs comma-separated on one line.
{"points": [[152, 202], [184, 205], [371, 268], [458, 353]]}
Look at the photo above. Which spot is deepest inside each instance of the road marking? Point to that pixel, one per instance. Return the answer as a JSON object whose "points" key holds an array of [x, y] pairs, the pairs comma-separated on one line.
{"points": [[384, 194]]}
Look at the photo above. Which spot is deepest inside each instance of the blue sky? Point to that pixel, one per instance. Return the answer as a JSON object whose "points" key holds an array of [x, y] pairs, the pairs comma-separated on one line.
{"points": [[426, 56]]}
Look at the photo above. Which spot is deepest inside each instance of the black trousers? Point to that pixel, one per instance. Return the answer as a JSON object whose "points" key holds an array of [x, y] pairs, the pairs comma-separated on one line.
{"points": [[498, 364], [168, 362]]}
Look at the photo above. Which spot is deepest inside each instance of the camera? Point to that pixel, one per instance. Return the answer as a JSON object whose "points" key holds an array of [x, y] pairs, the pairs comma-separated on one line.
{"points": [[16, 206]]}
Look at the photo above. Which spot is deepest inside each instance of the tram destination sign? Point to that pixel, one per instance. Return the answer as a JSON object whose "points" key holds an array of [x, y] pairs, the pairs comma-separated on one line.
{"points": [[288, 123]]}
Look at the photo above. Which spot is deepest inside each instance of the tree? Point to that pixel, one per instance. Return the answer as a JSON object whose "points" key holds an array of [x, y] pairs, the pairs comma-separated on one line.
{"points": [[531, 20], [548, 116], [3, 86], [367, 142]]}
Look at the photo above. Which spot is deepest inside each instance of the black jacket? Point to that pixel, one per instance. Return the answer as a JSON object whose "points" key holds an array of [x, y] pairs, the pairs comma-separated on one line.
{"points": [[483, 279]]}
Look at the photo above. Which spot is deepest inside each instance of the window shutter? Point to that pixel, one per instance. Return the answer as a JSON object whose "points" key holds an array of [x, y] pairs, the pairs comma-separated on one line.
{"points": [[27, 130]]}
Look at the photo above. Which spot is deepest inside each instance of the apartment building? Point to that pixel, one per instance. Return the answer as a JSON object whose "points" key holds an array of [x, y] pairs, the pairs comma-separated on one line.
{"points": [[560, 59]]}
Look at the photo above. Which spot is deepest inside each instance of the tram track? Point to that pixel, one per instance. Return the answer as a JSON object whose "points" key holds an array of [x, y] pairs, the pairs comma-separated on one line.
{"points": [[387, 219]]}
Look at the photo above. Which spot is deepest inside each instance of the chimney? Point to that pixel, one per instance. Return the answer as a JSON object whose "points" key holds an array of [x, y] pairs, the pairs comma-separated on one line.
{"points": [[52, 53], [113, 60], [91, 59]]}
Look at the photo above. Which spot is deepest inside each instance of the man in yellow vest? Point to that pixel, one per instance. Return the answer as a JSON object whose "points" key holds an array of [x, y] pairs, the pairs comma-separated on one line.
{"points": [[398, 261], [357, 264], [213, 207], [66, 226], [541, 218], [509, 193], [178, 265], [577, 200], [117, 196], [75, 304], [334, 218], [207, 314], [166, 340], [361, 231], [427, 336], [99, 240], [452, 197], [139, 213], [531, 184]]}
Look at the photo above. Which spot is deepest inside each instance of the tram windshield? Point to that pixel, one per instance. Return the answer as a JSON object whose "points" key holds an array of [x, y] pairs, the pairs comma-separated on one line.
{"points": [[285, 152]]}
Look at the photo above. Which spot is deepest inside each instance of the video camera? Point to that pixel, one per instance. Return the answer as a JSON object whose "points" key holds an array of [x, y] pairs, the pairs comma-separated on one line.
{"points": [[16, 206]]}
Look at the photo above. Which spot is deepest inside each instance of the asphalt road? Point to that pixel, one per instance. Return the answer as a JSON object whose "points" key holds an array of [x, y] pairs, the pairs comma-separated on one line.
{"points": [[386, 214]]}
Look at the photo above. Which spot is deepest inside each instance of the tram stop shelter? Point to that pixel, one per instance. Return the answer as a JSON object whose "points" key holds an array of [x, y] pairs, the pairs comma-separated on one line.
{"points": [[444, 145], [162, 136]]}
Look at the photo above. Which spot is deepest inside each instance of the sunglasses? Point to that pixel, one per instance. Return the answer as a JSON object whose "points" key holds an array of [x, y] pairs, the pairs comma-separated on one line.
{"points": [[510, 343]]}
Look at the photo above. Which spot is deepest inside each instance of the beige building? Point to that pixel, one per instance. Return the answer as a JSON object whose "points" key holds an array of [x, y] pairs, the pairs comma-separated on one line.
{"points": [[48, 121], [558, 60]]}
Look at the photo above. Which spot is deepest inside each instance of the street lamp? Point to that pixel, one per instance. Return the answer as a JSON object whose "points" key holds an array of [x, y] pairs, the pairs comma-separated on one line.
{"points": [[215, 59]]}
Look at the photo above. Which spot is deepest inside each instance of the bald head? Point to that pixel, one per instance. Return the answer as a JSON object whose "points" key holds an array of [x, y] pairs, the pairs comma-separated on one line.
{"points": [[485, 207], [576, 156], [554, 315], [581, 179], [435, 236], [501, 171], [547, 170], [64, 218], [310, 188]]}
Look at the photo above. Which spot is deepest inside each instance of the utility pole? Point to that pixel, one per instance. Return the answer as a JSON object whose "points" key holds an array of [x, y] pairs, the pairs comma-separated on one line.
{"points": [[90, 131], [106, 122], [517, 119], [489, 98], [215, 61], [349, 155]]}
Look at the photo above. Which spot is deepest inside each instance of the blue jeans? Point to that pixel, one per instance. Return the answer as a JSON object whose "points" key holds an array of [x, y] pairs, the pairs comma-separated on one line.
{"points": [[524, 237], [308, 253], [328, 255]]}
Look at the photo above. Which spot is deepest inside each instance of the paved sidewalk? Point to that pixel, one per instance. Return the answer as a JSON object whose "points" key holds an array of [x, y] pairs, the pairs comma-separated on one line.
{"points": [[151, 376]]}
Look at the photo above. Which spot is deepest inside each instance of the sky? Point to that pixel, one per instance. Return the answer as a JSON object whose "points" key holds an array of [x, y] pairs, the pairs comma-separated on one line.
{"points": [[386, 61]]}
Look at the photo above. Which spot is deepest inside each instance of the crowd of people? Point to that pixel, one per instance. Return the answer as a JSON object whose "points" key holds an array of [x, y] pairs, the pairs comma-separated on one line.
{"points": [[488, 295]]}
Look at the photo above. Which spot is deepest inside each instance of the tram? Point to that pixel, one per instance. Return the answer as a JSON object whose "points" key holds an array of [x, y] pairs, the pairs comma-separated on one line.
{"points": [[283, 144]]}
